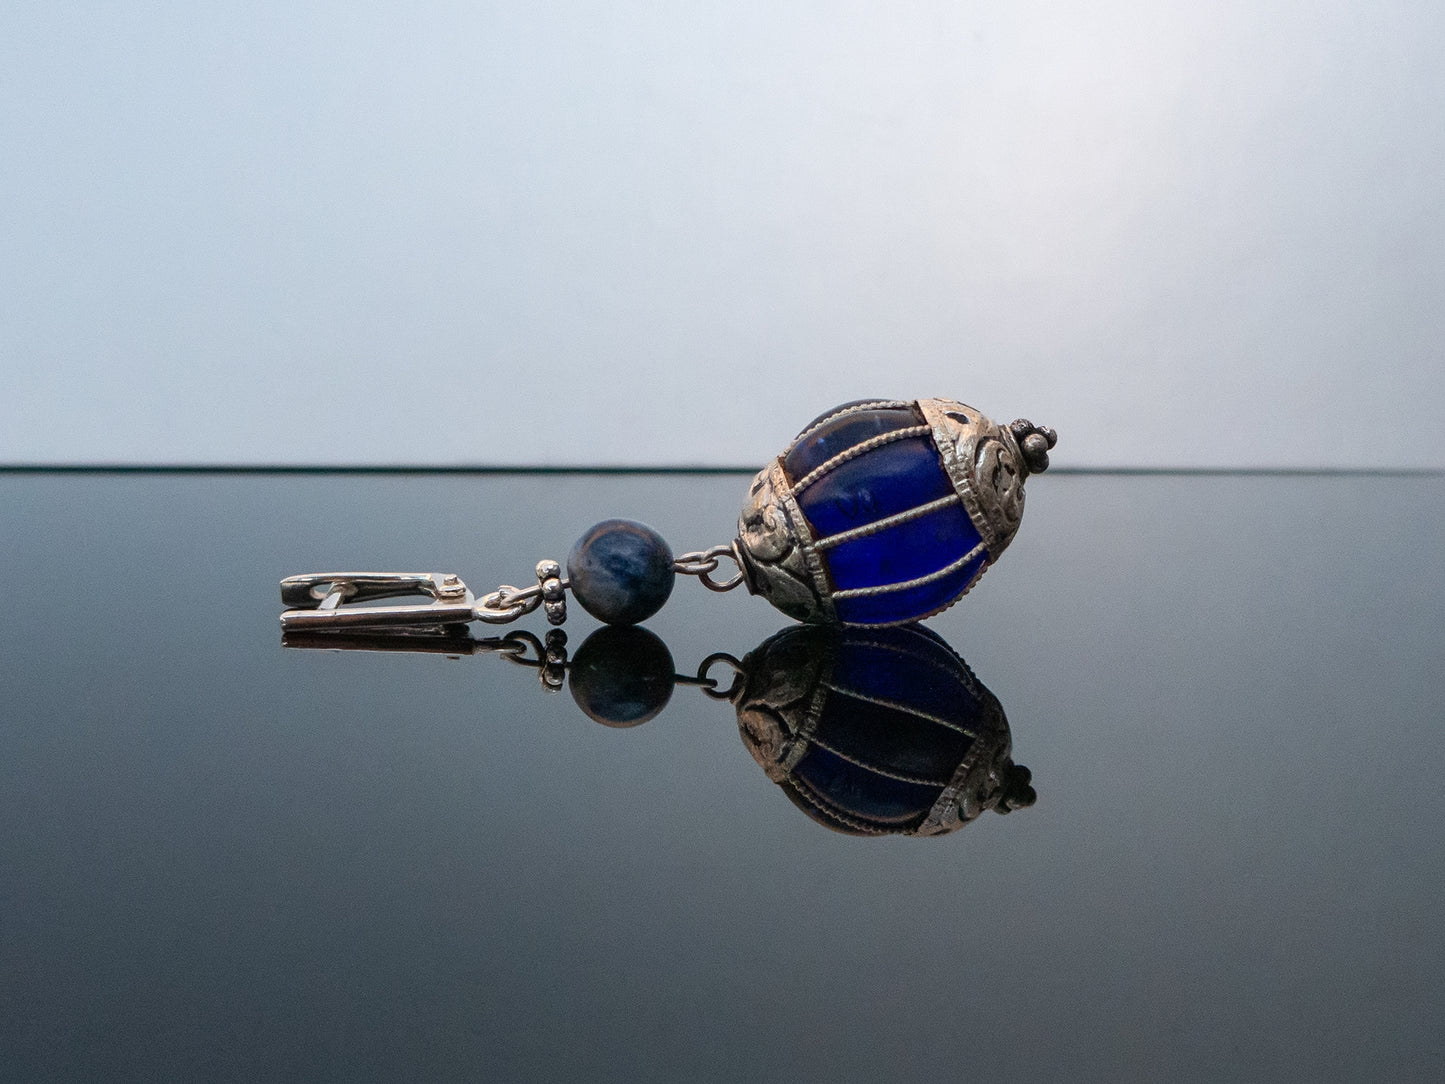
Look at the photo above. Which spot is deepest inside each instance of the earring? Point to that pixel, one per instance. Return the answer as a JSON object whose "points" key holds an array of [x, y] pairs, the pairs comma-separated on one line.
{"points": [[880, 512]]}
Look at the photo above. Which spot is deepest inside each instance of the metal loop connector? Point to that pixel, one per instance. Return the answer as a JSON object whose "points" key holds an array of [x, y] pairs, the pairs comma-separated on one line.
{"points": [[507, 603], [703, 563], [709, 684], [549, 657]]}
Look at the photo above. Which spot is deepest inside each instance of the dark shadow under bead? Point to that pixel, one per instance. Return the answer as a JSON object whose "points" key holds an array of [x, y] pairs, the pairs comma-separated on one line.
{"points": [[621, 571]]}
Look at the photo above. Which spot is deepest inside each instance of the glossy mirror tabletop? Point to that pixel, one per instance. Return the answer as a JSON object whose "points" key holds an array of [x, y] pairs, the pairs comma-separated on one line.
{"points": [[226, 859]]}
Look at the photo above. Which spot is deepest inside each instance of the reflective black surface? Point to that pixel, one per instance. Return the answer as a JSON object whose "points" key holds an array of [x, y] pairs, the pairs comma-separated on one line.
{"points": [[229, 860]]}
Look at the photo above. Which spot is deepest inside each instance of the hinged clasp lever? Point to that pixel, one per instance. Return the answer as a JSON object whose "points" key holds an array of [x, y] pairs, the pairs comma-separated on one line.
{"points": [[328, 601]]}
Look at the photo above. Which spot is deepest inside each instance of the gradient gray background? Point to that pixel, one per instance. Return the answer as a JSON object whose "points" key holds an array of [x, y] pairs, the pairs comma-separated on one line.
{"points": [[622, 232]]}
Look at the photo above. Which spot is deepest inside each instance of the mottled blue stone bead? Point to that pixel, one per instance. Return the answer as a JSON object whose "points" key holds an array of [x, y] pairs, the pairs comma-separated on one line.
{"points": [[621, 571]]}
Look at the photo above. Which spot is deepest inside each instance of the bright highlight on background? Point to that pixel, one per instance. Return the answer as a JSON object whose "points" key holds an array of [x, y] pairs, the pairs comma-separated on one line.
{"points": [[627, 233]]}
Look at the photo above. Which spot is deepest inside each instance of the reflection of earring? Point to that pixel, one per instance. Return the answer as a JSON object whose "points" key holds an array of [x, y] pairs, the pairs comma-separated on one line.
{"points": [[880, 512], [868, 731]]}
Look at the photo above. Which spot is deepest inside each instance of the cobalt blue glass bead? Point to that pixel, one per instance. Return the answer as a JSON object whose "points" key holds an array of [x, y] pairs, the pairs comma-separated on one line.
{"points": [[886, 511], [621, 571]]}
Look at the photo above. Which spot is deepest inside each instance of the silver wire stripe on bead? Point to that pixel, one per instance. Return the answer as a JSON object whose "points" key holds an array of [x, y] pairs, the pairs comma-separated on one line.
{"points": [[878, 770], [894, 705], [803, 535], [859, 826], [862, 448], [702, 563], [829, 541], [970, 682], [856, 408], [889, 588]]}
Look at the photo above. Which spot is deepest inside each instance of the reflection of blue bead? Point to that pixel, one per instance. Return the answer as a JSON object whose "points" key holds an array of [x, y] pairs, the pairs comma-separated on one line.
{"points": [[621, 571], [621, 676], [900, 715]]}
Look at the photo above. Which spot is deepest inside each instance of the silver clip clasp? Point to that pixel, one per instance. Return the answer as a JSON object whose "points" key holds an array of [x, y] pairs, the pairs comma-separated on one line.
{"points": [[335, 601]]}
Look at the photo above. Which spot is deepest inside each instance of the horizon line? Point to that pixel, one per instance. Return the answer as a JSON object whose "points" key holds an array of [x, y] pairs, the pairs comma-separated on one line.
{"points": [[618, 469]]}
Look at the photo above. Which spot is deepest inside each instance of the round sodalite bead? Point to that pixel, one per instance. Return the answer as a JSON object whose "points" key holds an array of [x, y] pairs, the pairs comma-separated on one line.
{"points": [[621, 571]]}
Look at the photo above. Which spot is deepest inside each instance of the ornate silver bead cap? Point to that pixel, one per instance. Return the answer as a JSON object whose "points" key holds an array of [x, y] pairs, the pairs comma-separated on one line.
{"points": [[786, 558]]}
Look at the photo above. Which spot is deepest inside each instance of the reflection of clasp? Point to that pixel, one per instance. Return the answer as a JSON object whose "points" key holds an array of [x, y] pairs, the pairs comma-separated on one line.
{"points": [[327, 600]]}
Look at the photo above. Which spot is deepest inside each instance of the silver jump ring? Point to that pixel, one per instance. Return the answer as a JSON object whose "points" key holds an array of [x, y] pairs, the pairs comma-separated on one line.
{"points": [[507, 603], [705, 562], [709, 685]]}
